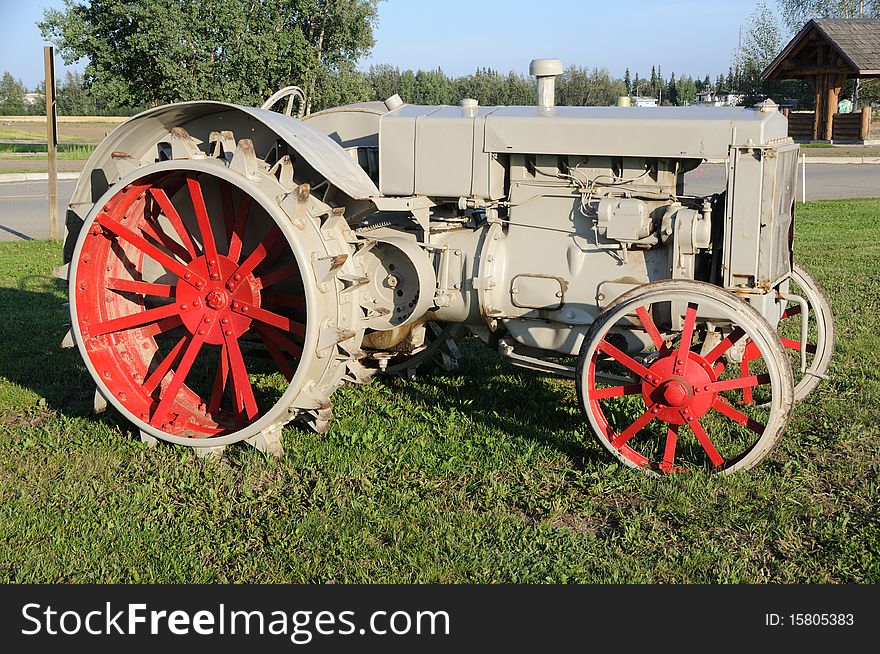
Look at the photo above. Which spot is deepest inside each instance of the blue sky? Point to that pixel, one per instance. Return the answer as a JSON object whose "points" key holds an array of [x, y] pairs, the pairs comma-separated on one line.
{"points": [[692, 37]]}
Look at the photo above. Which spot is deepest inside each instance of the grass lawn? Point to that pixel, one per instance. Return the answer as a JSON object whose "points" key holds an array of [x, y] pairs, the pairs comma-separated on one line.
{"points": [[486, 475]]}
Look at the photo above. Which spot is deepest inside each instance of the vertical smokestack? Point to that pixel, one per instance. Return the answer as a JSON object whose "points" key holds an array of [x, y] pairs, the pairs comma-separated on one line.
{"points": [[546, 70]]}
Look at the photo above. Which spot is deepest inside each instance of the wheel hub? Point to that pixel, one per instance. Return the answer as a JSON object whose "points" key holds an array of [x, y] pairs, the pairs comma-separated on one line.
{"points": [[217, 299], [207, 298], [676, 393], [679, 395]]}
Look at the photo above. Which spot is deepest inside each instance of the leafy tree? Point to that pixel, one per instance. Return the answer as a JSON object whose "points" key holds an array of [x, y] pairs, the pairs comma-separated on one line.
{"points": [[150, 52], [11, 96], [583, 87], [73, 99], [627, 81], [796, 13], [520, 90], [761, 42], [384, 80]]}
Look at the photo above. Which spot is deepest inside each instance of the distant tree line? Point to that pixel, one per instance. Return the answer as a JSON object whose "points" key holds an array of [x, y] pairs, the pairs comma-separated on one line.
{"points": [[577, 86], [144, 53]]}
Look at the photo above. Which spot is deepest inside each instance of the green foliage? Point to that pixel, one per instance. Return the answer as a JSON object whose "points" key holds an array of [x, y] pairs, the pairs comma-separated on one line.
{"points": [[579, 86], [796, 13], [151, 52], [485, 475], [11, 96], [72, 99]]}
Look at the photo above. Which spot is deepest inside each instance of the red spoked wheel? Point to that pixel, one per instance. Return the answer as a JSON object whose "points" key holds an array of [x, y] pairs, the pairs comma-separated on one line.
{"points": [[661, 396], [189, 306], [810, 370]]}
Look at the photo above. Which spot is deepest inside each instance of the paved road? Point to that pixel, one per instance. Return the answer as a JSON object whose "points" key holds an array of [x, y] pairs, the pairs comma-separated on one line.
{"points": [[24, 209], [824, 181]]}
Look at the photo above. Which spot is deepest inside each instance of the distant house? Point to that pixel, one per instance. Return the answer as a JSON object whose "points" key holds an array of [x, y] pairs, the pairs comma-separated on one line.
{"points": [[718, 99], [643, 101], [30, 99]]}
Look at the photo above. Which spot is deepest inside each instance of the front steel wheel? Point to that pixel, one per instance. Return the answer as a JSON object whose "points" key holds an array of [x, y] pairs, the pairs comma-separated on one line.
{"points": [[658, 387]]}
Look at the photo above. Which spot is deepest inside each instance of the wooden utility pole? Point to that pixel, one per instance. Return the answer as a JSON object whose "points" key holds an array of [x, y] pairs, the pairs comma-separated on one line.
{"points": [[52, 140]]}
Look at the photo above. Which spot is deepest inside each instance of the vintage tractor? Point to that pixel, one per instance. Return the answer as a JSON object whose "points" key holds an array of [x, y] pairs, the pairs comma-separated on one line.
{"points": [[230, 267]]}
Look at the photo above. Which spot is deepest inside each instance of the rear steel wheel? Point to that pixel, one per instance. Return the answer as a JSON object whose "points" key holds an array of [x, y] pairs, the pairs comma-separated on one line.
{"points": [[671, 404], [194, 304]]}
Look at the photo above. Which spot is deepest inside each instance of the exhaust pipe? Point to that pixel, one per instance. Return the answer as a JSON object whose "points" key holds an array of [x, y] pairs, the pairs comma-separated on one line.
{"points": [[546, 70]]}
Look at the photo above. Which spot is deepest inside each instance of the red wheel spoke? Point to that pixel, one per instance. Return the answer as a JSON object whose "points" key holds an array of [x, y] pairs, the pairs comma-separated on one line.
{"points": [[134, 320], [183, 368], [791, 311], [280, 340], [270, 318], [175, 220], [142, 288], [615, 391], [650, 327], [241, 382], [277, 249], [669, 450], [632, 430], [276, 354], [687, 334], [209, 245], [716, 459], [719, 350], [744, 373], [166, 241], [237, 237], [623, 359], [272, 278], [260, 252], [219, 381], [123, 232], [796, 345], [155, 377], [739, 382], [737, 416]]}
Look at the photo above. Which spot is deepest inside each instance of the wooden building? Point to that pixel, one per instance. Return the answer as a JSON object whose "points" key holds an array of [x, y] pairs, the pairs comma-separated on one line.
{"points": [[829, 52]]}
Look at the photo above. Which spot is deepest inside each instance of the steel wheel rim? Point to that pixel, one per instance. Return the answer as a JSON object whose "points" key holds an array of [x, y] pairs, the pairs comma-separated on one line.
{"points": [[675, 398], [819, 349], [128, 221]]}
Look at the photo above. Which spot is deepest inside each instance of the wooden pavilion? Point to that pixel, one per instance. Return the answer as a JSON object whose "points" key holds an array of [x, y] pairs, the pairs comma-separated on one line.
{"points": [[829, 52]]}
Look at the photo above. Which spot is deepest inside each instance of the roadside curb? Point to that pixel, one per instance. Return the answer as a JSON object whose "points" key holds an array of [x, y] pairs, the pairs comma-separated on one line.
{"points": [[34, 177]]}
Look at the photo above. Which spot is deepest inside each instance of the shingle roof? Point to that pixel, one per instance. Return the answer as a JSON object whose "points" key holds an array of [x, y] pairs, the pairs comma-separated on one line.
{"points": [[856, 40]]}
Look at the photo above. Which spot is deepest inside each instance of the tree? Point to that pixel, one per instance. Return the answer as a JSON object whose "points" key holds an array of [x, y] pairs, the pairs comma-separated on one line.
{"points": [[582, 87], [11, 96], [796, 13], [672, 90], [627, 81], [73, 99], [150, 52], [761, 42]]}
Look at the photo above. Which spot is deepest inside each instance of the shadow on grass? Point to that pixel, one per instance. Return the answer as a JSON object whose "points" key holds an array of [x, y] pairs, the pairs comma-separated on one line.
{"points": [[517, 402], [521, 403], [34, 322]]}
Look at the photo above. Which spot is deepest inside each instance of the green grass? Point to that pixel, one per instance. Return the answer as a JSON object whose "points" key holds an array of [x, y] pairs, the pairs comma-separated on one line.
{"points": [[31, 151], [487, 475]]}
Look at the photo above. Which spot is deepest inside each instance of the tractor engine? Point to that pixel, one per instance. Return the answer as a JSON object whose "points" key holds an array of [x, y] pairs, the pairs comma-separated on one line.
{"points": [[230, 267]]}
